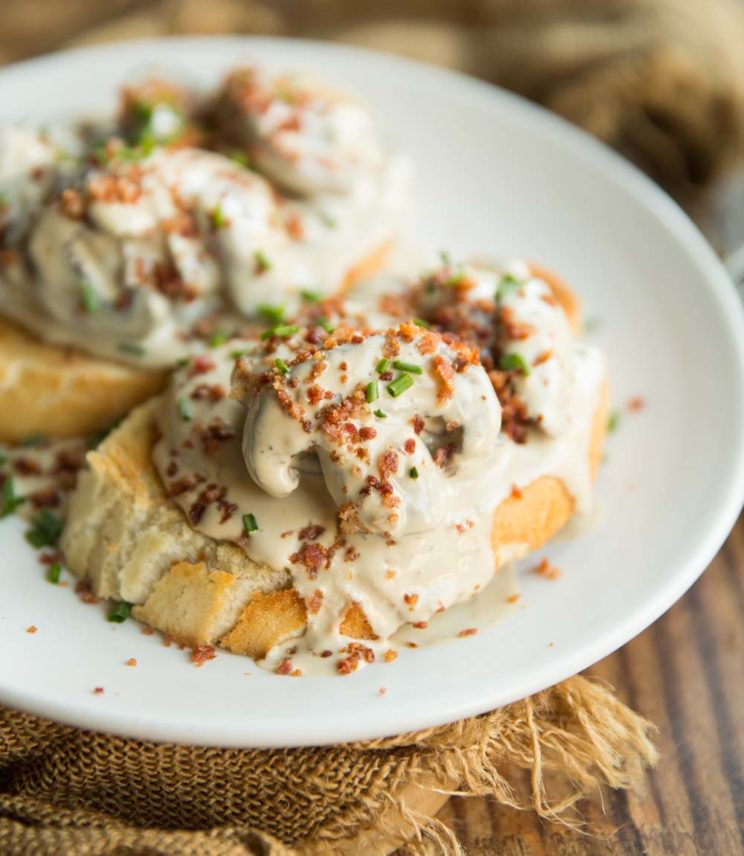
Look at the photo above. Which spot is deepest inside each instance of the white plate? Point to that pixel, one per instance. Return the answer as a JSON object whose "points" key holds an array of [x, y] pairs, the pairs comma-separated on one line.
{"points": [[494, 174]]}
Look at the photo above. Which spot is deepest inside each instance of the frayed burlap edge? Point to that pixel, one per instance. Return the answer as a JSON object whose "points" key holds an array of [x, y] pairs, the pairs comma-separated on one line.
{"points": [[572, 739]]}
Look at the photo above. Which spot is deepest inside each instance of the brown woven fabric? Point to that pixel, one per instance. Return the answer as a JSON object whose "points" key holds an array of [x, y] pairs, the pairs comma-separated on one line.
{"points": [[63, 790]]}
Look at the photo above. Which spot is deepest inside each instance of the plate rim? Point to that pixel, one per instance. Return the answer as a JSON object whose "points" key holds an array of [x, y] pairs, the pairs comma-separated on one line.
{"points": [[223, 731]]}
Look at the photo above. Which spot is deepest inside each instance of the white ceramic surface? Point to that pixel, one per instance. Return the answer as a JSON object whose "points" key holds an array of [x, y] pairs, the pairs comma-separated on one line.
{"points": [[494, 174]]}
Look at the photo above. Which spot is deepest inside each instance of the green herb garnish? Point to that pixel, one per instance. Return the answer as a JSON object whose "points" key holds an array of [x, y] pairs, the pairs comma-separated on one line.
{"points": [[185, 409], [281, 365], [219, 337], [240, 157], [613, 421], [380, 414], [45, 530], [310, 296], [382, 366], [131, 348], [413, 473], [262, 262], [273, 314], [419, 322], [507, 282], [8, 499], [3, 458], [373, 391], [328, 220], [119, 611], [513, 363], [89, 298], [407, 367], [236, 355], [400, 385], [219, 221], [33, 440], [281, 331], [249, 524], [446, 258], [325, 324], [53, 573]]}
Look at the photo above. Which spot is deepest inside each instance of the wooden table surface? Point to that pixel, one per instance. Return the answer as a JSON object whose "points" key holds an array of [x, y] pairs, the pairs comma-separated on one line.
{"points": [[686, 674]]}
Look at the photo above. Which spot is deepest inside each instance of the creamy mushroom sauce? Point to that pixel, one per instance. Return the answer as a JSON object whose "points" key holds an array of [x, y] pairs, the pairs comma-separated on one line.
{"points": [[126, 253], [386, 502]]}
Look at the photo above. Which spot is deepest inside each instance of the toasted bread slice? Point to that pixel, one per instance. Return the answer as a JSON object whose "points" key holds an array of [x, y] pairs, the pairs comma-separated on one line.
{"points": [[61, 392], [131, 542]]}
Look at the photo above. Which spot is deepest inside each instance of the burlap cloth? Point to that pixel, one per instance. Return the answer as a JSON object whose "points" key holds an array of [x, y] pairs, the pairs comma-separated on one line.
{"points": [[662, 81]]}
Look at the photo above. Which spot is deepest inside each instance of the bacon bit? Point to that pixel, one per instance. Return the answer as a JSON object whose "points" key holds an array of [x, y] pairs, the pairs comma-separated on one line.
{"points": [[131, 662], [427, 343], [516, 492], [410, 446], [8, 257], [325, 654], [313, 556], [389, 575], [347, 666], [311, 532], [382, 691], [196, 512], [50, 558], [390, 655], [294, 226], [367, 433], [418, 424], [468, 631], [147, 631], [167, 640], [411, 645], [208, 392], [201, 364], [410, 600], [201, 654], [636, 404], [97, 690], [445, 377], [545, 569], [513, 598], [32, 629], [511, 327], [83, 591], [421, 625], [315, 602], [387, 464], [443, 455], [71, 203], [542, 358]]}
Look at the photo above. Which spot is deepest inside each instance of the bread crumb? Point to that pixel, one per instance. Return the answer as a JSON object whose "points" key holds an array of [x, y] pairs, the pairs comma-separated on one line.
{"points": [[131, 662], [32, 629], [382, 691], [97, 690], [545, 569], [513, 598], [468, 631]]}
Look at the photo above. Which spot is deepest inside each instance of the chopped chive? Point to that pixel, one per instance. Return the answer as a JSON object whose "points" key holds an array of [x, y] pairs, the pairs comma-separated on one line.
{"points": [[310, 296], [45, 530], [419, 322], [53, 573], [249, 524], [185, 409], [380, 414], [325, 324], [373, 391], [407, 367], [89, 298], [514, 362], [183, 362], [413, 473], [281, 365], [240, 157], [399, 385], [33, 440], [236, 355], [445, 257], [219, 337], [8, 499], [382, 366], [132, 348], [273, 314], [507, 282], [455, 279], [262, 261], [327, 219], [281, 331], [218, 218], [3, 458], [119, 611], [613, 421]]}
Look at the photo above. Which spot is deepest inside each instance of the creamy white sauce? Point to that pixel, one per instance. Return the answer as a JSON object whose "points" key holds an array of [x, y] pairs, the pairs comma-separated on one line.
{"points": [[185, 233], [402, 564]]}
